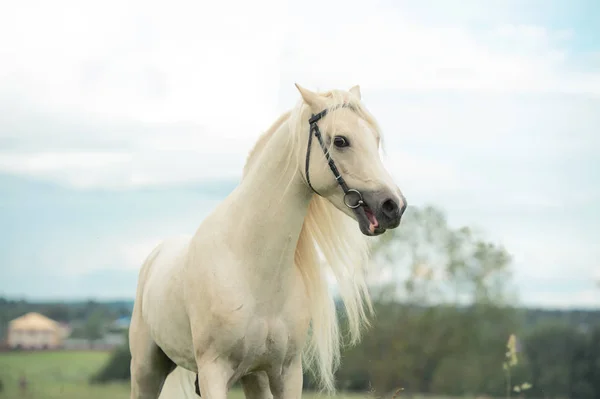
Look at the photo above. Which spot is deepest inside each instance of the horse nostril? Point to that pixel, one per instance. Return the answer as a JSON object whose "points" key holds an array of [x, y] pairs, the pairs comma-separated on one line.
{"points": [[390, 208]]}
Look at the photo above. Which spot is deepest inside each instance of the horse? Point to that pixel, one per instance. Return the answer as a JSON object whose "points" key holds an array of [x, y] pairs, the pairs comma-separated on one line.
{"points": [[246, 297]]}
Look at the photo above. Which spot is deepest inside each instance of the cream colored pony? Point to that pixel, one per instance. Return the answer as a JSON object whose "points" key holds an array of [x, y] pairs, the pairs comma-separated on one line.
{"points": [[246, 298]]}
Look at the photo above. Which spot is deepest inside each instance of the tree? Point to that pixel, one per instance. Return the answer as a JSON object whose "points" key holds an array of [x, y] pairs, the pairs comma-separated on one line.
{"points": [[564, 360], [441, 302], [593, 361], [94, 326], [425, 261], [118, 366]]}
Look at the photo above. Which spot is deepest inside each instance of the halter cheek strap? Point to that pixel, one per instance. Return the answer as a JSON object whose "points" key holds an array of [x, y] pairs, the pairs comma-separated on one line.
{"points": [[314, 128]]}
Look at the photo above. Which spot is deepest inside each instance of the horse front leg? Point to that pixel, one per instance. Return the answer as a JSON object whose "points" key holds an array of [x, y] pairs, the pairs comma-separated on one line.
{"points": [[149, 365], [214, 378], [256, 386], [288, 383]]}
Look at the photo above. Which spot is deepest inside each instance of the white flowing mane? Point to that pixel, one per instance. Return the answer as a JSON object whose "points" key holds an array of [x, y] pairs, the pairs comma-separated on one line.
{"points": [[326, 234]]}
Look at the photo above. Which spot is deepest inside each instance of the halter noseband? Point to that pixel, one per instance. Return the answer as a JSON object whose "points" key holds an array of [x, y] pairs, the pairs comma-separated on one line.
{"points": [[314, 127]]}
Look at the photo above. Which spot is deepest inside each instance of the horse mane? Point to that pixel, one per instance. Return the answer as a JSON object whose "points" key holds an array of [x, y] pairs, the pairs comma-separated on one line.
{"points": [[328, 239], [262, 141]]}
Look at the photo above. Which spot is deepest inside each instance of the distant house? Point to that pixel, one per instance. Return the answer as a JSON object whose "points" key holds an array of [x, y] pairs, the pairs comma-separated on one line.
{"points": [[35, 331]]}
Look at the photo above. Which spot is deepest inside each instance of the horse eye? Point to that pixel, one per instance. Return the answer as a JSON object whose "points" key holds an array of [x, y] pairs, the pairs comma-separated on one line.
{"points": [[340, 141]]}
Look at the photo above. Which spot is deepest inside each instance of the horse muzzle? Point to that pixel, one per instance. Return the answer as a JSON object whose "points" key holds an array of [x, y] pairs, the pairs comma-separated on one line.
{"points": [[381, 211]]}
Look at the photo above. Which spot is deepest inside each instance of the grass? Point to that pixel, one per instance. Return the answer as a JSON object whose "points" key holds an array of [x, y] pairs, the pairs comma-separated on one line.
{"points": [[56, 375], [65, 375]]}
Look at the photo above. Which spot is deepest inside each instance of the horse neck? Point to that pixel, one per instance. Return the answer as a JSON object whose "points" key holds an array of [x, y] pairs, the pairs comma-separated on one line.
{"points": [[269, 208]]}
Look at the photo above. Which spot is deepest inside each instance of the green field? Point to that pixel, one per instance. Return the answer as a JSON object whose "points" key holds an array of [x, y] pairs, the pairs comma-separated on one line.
{"points": [[56, 375], [65, 375]]}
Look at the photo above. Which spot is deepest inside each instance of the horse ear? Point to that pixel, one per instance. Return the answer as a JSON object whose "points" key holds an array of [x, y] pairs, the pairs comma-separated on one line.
{"points": [[355, 90], [311, 98]]}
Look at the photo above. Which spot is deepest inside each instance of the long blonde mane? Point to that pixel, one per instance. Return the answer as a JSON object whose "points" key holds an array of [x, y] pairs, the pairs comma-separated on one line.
{"points": [[329, 239]]}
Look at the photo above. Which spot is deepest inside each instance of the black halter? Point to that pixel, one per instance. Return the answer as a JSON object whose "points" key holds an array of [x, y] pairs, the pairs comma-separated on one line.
{"points": [[315, 128]]}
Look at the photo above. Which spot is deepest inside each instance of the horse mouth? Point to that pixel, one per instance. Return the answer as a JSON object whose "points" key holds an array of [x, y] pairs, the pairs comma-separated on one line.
{"points": [[367, 221]]}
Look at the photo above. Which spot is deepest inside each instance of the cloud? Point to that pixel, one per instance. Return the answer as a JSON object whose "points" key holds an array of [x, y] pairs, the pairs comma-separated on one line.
{"points": [[388, 48], [78, 169], [159, 93], [411, 171], [144, 61], [120, 153], [133, 254], [138, 94]]}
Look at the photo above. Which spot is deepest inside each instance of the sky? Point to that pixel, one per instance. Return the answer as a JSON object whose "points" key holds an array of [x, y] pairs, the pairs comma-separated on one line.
{"points": [[122, 123]]}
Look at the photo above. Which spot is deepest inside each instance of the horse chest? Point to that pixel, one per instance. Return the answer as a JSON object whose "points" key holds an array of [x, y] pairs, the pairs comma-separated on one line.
{"points": [[267, 343], [249, 325]]}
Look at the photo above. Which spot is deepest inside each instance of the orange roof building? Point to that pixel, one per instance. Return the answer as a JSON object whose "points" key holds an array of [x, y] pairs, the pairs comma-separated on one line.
{"points": [[35, 331]]}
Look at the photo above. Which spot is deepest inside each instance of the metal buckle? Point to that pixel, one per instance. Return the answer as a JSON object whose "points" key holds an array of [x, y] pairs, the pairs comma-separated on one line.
{"points": [[360, 201]]}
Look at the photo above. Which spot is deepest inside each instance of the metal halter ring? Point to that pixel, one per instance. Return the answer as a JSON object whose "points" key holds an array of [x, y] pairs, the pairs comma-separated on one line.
{"points": [[360, 201]]}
